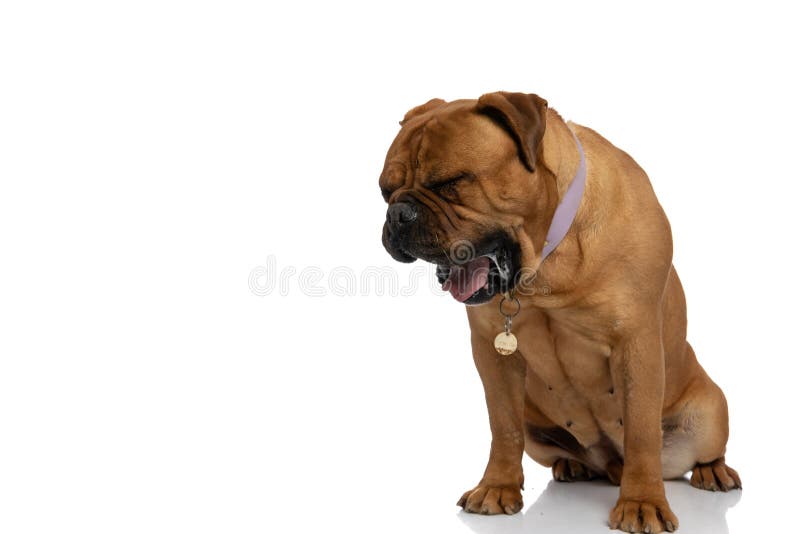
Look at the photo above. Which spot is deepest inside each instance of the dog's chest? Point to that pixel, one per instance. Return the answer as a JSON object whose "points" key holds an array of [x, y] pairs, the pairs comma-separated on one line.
{"points": [[573, 381]]}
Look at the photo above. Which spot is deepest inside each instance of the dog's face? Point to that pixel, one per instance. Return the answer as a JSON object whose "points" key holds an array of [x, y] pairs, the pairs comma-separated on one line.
{"points": [[459, 180]]}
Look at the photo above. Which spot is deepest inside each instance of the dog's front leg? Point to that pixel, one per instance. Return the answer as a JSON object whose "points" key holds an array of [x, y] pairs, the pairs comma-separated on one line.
{"points": [[503, 380], [638, 363]]}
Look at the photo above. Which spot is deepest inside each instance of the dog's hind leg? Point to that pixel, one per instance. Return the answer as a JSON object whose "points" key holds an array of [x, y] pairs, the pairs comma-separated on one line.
{"points": [[695, 435], [565, 470], [715, 476]]}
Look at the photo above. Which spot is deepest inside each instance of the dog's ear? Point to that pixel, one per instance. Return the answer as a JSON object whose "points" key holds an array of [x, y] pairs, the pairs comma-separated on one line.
{"points": [[523, 115], [419, 110]]}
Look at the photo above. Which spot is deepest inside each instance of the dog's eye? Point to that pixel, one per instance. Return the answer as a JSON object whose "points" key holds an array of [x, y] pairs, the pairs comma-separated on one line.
{"points": [[449, 186]]}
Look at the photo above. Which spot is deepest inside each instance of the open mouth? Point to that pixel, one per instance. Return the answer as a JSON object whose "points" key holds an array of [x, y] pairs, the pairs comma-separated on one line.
{"points": [[477, 280]]}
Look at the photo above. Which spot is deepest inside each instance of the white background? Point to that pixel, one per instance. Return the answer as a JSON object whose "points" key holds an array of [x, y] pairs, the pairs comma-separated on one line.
{"points": [[153, 154]]}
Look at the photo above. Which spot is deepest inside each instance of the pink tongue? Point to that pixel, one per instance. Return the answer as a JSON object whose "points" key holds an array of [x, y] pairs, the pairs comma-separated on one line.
{"points": [[465, 280]]}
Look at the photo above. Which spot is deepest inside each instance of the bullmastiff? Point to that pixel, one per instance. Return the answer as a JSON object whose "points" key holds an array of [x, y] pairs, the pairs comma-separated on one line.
{"points": [[555, 241]]}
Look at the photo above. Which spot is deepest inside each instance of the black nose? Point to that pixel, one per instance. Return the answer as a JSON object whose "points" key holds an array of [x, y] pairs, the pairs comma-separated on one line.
{"points": [[401, 213]]}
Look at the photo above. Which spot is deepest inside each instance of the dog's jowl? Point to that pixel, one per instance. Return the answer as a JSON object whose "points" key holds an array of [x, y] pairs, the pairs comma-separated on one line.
{"points": [[514, 204]]}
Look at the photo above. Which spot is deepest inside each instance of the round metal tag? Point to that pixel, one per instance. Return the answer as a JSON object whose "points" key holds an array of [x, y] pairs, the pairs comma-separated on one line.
{"points": [[505, 343]]}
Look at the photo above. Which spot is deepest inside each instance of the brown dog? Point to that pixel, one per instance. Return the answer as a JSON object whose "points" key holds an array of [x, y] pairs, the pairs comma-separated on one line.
{"points": [[604, 383]]}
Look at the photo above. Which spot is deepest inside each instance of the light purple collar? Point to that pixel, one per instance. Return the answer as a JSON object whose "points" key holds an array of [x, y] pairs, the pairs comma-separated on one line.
{"points": [[568, 207]]}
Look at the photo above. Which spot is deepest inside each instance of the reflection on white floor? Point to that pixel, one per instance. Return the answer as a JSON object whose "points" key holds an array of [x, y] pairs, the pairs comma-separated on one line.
{"points": [[579, 507]]}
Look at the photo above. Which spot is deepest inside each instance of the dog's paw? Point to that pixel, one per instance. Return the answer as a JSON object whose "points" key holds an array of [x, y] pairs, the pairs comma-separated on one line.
{"points": [[571, 471], [643, 516], [715, 476], [490, 500]]}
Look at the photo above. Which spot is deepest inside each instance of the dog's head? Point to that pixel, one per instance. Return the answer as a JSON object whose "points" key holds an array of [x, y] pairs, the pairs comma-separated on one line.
{"points": [[459, 179]]}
